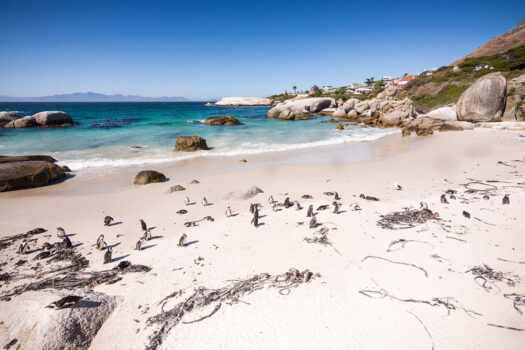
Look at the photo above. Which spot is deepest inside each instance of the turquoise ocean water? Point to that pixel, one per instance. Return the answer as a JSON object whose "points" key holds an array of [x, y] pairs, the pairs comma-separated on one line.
{"points": [[107, 130]]}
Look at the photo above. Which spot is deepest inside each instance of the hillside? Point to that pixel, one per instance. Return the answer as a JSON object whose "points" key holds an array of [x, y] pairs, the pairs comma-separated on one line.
{"points": [[512, 38]]}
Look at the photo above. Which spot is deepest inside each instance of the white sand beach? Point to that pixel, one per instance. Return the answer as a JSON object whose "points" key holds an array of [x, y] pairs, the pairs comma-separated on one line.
{"points": [[367, 290]]}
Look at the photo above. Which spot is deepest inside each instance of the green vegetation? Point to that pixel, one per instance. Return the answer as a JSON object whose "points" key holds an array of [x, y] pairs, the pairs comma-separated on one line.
{"points": [[449, 94], [280, 97], [513, 59]]}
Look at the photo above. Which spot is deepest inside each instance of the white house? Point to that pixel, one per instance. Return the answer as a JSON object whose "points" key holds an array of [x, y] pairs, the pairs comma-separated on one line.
{"points": [[386, 78]]}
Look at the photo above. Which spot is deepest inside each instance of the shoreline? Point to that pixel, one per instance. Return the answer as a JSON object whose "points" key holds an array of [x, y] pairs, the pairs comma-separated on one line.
{"points": [[334, 313]]}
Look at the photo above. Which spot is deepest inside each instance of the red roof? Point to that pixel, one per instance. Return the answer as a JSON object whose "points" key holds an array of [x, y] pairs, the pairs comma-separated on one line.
{"points": [[408, 77]]}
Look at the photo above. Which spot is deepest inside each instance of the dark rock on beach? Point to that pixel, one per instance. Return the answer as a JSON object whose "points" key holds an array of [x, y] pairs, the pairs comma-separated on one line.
{"points": [[18, 174], [190, 144], [223, 120], [149, 176]]}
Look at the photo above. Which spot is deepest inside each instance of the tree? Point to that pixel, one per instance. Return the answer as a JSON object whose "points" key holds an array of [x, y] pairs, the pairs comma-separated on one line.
{"points": [[405, 74], [369, 81], [294, 89]]}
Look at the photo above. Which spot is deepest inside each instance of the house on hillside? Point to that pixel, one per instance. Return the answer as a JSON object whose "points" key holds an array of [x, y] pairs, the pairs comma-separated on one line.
{"points": [[362, 90], [328, 88], [403, 81], [314, 89]]}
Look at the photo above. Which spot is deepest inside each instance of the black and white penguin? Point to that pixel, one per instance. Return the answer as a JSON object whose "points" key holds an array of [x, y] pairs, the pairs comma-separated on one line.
{"points": [[506, 199], [108, 220], [24, 247], [228, 212], [310, 211], [182, 240], [443, 199], [65, 302], [107, 255], [66, 242], [143, 225], [336, 207], [60, 232], [100, 242]]}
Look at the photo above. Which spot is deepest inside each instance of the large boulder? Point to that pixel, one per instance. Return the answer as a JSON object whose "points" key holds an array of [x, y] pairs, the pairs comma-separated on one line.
{"points": [[145, 177], [292, 109], [339, 113], [443, 113], [190, 144], [25, 122], [389, 91], [484, 100], [515, 103], [6, 117], [8, 159], [37, 327], [223, 120], [53, 118], [243, 101], [17, 175], [244, 193], [397, 113]]}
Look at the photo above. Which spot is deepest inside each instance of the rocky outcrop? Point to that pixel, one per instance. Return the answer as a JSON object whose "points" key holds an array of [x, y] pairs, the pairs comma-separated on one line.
{"points": [[424, 126], [42, 119], [37, 327], [190, 144], [443, 113], [243, 101], [515, 126], [18, 174], [388, 92], [244, 193], [53, 118], [396, 113], [483, 101], [6, 117], [293, 109], [148, 176], [223, 120], [514, 105]]}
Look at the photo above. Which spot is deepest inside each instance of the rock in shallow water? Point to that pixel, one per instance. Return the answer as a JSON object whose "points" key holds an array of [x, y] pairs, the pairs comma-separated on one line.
{"points": [[190, 144], [223, 120]]}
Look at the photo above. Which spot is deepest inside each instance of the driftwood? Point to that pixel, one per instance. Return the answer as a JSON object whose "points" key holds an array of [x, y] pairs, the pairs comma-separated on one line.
{"points": [[230, 294], [396, 262], [193, 223]]}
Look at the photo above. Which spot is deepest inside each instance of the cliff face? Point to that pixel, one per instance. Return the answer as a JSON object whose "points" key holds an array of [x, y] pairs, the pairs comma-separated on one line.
{"points": [[512, 38]]}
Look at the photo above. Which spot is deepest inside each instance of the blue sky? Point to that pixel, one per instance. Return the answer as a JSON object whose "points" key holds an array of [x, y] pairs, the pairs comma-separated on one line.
{"points": [[210, 49]]}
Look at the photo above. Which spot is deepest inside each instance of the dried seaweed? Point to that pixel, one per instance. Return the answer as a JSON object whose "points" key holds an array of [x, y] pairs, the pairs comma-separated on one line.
{"points": [[396, 262], [231, 294], [401, 243], [506, 327], [405, 219], [518, 299], [486, 275], [7, 241], [425, 327]]}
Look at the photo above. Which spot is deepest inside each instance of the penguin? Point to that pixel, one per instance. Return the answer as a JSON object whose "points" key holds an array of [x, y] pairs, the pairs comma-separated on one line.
{"points": [[313, 222], [45, 251], [107, 255], [270, 200], [397, 187], [100, 242], [354, 206], [368, 198], [486, 197], [143, 225], [138, 245], [336, 196], [204, 201], [108, 220], [310, 211], [147, 235], [336, 207], [255, 221], [65, 302], [256, 214], [298, 206], [182, 240], [23, 248], [466, 214], [287, 203], [444, 199], [228, 212], [187, 200], [182, 212], [60, 232], [252, 208], [66, 242], [506, 199]]}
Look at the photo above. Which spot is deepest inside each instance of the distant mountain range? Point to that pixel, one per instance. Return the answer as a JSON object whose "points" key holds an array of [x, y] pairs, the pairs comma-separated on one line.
{"points": [[92, 97]]}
